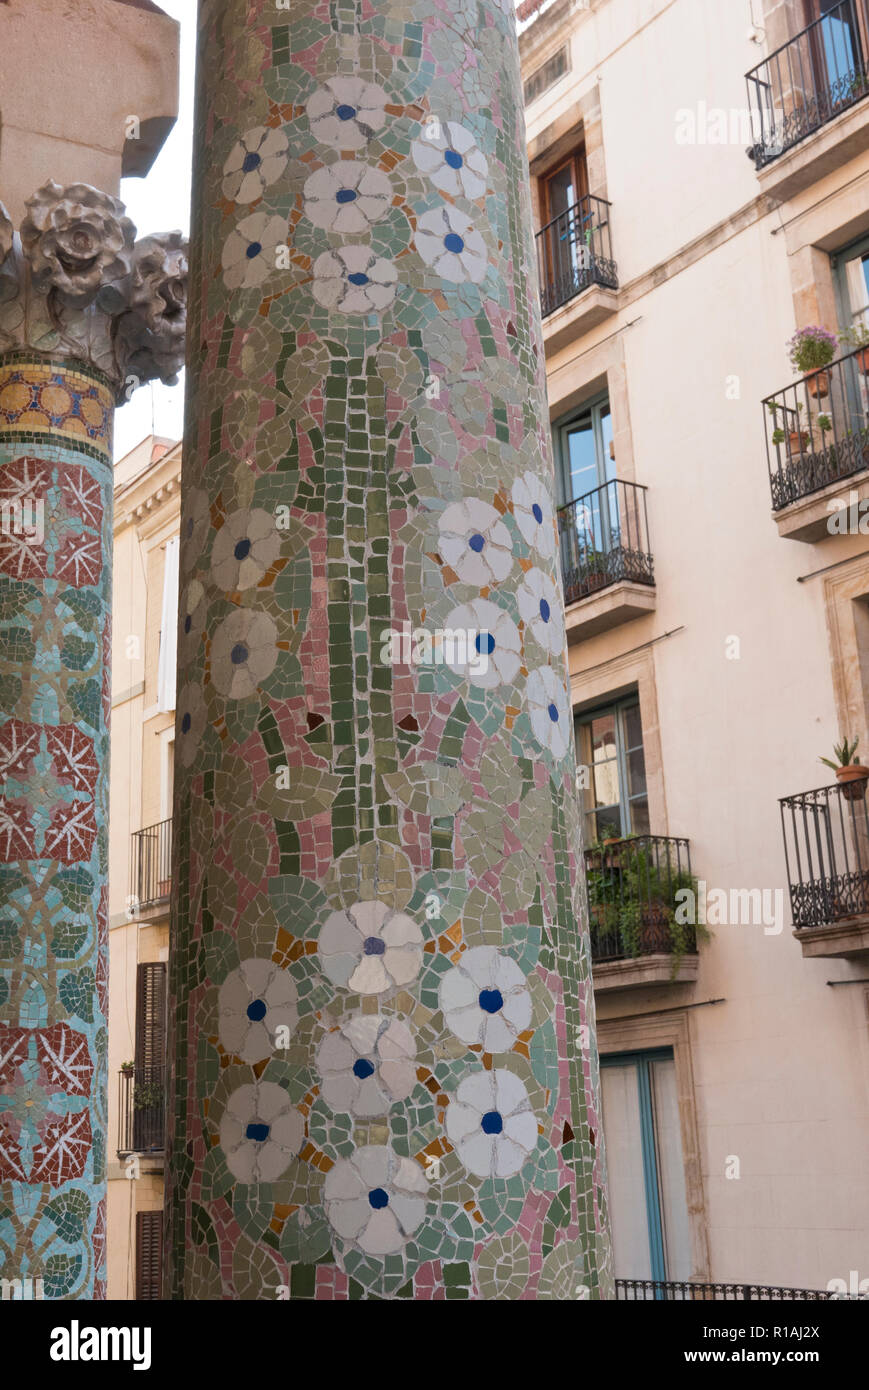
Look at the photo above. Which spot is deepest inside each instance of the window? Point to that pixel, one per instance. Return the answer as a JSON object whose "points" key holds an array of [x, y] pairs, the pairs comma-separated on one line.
{"points": [[647, 1197], [609, 742], [852, 284], [835, 47], [585, 458], [150, 1057], [149, 1255], [546, 76]]}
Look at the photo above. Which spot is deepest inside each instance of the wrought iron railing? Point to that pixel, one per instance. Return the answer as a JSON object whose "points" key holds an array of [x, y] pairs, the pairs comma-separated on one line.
{"points": [[151, 865], [808, 81], [817, 429], [674, 1290], [632, 886], [826, 839], [604, 537], [141, 1108], [574, 251]]}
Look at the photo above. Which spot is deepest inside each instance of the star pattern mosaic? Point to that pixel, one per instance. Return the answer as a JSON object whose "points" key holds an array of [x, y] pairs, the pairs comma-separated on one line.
{"points": [[384, 1078]]}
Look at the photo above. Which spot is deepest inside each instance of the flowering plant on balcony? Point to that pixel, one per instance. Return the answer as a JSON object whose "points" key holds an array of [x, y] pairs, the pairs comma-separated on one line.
{"points": [[811, 348], [635, 890]]}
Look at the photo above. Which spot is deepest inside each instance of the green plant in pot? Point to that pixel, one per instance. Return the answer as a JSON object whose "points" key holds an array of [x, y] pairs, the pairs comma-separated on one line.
{"points": [[147, 1095], [811, 350], [851, 775], [635, 896], [593, 572], [856, 339]]}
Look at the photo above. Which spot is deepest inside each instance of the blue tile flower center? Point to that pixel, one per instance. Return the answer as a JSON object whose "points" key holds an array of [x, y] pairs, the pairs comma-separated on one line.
{"points": [[357, 278], [258, 1132], [345, 195], [477, 542], [251, 161], [378, 1198], [553, 713], [362, 1068], [453, 159], [491, 1000], [492, 1123], [345, 112], [239, 654], [256, 1010], [485, 643], [254, 249], [537, 512], [185, 724], [545, 610], [453, 242], [242, 549], [374, 946]]}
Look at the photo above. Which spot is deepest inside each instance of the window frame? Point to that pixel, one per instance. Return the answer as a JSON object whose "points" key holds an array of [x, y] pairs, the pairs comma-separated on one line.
{"points": [[617, 708], [592, 407]]}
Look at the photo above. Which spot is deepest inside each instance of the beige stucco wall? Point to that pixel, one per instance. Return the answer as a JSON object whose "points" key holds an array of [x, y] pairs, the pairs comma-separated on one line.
{"points": [[780, 1067]]}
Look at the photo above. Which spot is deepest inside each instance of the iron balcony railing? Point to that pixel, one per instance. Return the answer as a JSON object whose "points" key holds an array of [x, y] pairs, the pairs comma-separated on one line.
{"points": [[574, 251], [808, 81], [141, 1107], [151, 865], [676, 1291], [604, 537], [826, 840], [817, 429], [632, 897]]}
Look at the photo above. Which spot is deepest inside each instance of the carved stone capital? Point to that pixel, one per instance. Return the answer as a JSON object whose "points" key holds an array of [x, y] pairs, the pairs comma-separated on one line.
{"points": [[77, 283]]}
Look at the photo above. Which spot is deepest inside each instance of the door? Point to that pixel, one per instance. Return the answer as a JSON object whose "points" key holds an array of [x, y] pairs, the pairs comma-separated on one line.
{"points": [[647, 1194], [565, 215], [588, 520], [836, 53]]}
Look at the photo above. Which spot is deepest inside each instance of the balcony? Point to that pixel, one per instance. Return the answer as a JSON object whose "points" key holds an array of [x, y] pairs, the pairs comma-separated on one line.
{"points": [[151, 867], [606, 563], [817, 439], [680, 1291], [633, 895], [141, 1107], [574, 258], [826, 840], [815, 82]]}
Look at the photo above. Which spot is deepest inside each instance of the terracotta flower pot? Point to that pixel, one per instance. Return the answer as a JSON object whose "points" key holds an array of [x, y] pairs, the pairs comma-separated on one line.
{"points": [[819, 384], [797, 440], [852, 780], [862, 360]]}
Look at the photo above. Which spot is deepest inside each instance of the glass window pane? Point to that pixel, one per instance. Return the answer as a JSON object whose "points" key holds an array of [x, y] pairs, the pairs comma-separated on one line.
{"points": [[671, 1169], [624, 1153], [636, 772], [633, 726], [609, 824], [639, 810], [605, 777], [581, 458], [561, 190], [606, 430], [603, 737]]}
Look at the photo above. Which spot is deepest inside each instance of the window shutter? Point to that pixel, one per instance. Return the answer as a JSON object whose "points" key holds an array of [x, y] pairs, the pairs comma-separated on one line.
{"points": [[149, 1255], [151, 1020]]}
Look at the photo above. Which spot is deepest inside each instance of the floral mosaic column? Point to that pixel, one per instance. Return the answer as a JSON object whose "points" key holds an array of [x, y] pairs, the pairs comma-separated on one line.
{"points": [[83, 319], [385, 1080]]}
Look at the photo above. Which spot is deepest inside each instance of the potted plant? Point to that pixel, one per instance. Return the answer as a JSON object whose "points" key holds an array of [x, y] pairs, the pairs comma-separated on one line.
{"points": [[593, 573], [797, 439], [851, 775], [811, 350], [633, 901], [857, 337], [147, 1095]]}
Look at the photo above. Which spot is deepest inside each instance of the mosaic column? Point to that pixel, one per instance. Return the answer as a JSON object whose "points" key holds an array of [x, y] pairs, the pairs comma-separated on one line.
{"points": [[86, 314], [384, 1071]]}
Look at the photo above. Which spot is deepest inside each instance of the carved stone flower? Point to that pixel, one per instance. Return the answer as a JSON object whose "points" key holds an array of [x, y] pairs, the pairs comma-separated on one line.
{"points": [[76, 240], [154, 330]]}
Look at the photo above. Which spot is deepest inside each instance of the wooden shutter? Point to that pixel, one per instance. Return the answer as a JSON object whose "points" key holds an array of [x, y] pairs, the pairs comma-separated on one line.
{"points": [[149, 1255], [151, 1020]]}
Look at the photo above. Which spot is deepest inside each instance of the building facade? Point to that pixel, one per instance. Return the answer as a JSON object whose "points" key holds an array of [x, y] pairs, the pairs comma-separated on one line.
{"points": [[701, 181]]}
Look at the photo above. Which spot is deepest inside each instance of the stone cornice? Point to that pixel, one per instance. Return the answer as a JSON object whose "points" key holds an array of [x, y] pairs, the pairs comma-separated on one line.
{"points": [[75, 284]]}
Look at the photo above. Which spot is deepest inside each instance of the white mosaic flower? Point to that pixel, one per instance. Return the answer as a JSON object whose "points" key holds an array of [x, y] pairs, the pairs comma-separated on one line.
{"points": [[190, 721], [532, 508], [484, 999], [244, 550], [345, 112], [194, 608], [448, 242], [549, 709], [474, 541], [249, 251], [254, 1001], [347, 197], [260, 1132], [370, 948], [366, 1065], [354, 281], [493, 655], [243, 652], [452, 160], [541, 608], [490, 1123], [375, 1198], [195, 522], [255, 161]]}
